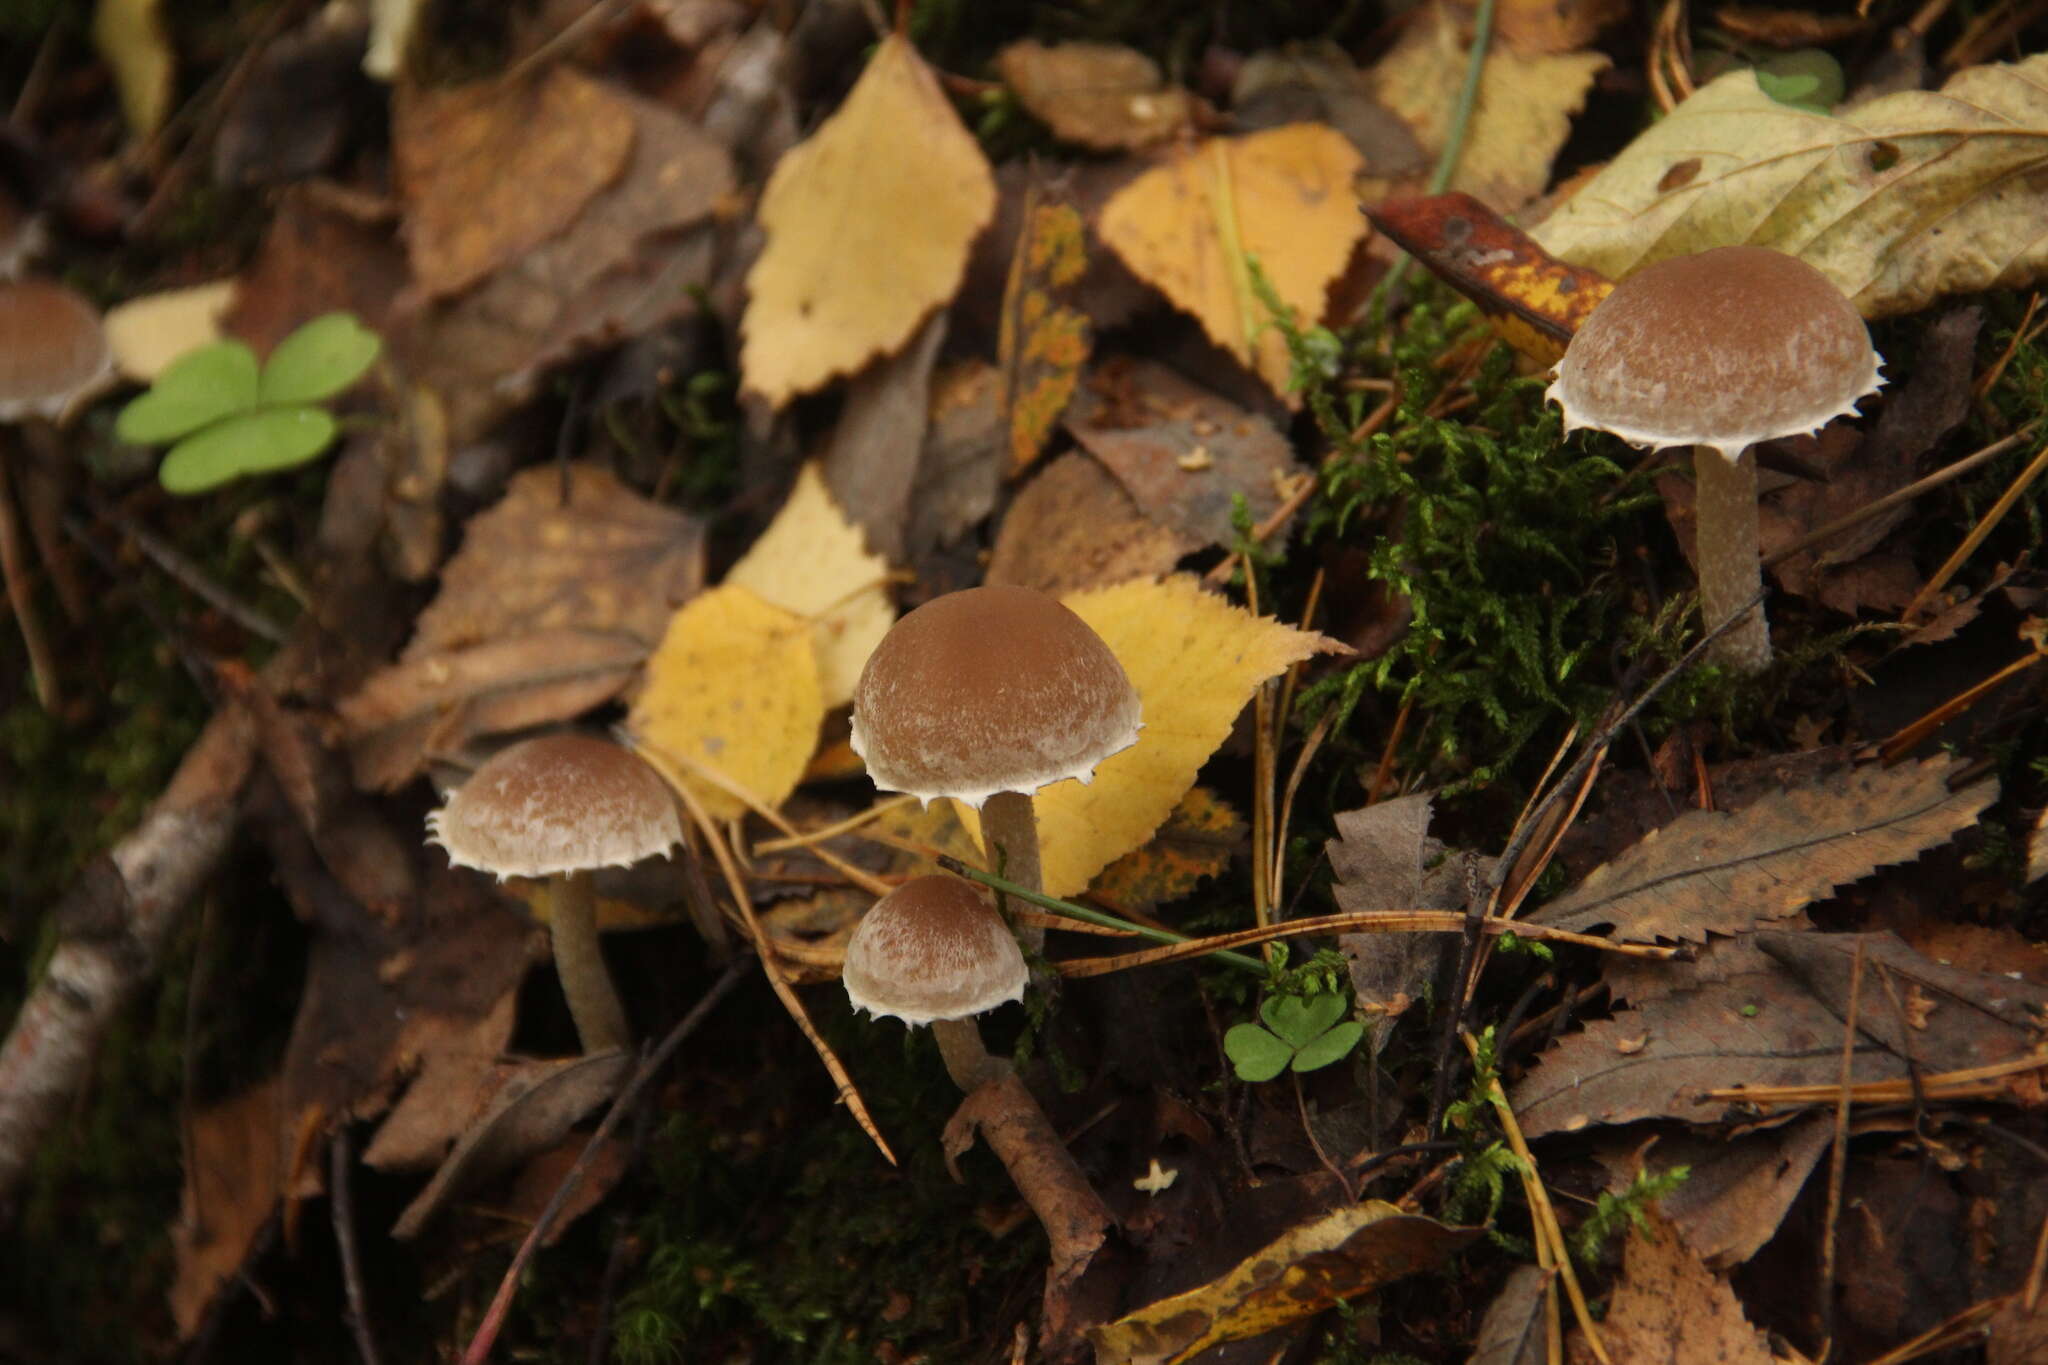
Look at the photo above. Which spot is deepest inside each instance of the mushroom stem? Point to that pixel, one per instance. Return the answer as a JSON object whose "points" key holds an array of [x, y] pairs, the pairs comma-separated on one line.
{"points": [[968, 1060], [593, 1002], [1009, 830], [1726, 547]]}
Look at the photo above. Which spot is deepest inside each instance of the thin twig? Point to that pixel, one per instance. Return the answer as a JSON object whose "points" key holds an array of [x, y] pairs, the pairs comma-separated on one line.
{"points": [[341, 1204], [479, 1349], [1838, 1161]]}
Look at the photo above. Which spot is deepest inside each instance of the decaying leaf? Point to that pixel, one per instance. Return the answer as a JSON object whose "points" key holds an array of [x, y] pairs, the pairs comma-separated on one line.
{"points": [[814, 562], [1074, 527], [868, 222], [146, 334], [454, 1058], [966, 451], [1898, 201], [1098, 95], [544, 613], [1669, 1309], [871, 462], [1195, 843], [1339, 1256], [733, 687], [1192, 681], [1184, 454], [1283, 197], [1538, 27], [492, 169], [1707, 872], [1736, 1191], [234, 1175], [1526, 101], [1044, 338], [316, 259]]}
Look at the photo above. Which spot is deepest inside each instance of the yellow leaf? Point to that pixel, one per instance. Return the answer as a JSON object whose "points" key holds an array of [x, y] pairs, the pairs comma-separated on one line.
{"points": [[131, 39], [1343, 1254], [1898, 201], [732, 687], [1522, 116], [813, 561], [1196, 841], [1195, 660], [868, 222], [1283, 196]]}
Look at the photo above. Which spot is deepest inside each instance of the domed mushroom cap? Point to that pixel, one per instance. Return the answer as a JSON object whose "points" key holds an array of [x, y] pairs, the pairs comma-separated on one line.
{"points": [[1724, 349], [990, 690], [932, 949], [53, 351], [560, 803]]}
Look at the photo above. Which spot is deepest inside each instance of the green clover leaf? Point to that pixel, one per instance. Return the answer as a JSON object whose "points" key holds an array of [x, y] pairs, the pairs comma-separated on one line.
{"points": [[198, 389], [257, 442], [1256, 1054], [319, 360], [1305, 1032]]}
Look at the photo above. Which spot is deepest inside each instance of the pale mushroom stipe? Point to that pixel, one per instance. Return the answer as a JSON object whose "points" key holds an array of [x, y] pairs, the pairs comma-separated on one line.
{"points": [[1720, 351], [559, 807]]}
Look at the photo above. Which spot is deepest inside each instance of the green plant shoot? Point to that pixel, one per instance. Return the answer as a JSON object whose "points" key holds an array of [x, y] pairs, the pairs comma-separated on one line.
{"points": [[1302, 1031], [224, 417]]}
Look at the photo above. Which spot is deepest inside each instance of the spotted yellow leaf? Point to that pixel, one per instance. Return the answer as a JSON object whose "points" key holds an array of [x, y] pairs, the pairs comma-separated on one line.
{"points": [[814, 562], [1195, 660], [733, 687]]}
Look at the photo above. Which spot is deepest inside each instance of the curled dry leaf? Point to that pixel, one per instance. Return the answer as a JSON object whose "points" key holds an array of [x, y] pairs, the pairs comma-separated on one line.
{"points": [[1283, 197], [1097, 95], [869, 221], [1898, 201]]}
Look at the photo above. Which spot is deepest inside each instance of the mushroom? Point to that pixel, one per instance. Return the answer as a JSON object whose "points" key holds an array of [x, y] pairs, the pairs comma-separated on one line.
{"points": [[558, 807], [934, 952], [1720, 351], [986, 696]]}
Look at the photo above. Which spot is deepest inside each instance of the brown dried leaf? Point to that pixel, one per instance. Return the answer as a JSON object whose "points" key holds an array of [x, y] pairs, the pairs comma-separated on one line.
{"points": [[1669, 1309], [493, 169], [454, 1056], [1789, 28], [1102, 96], [1183, 453], [1707, 872], [1341, 1255], [233, 1178], [1074, 527], [1542, 27], [966, 450], [1738, 1191], [871, 462], [316, 259], [1513, 1332], [1195, 843], [1045, 337]]}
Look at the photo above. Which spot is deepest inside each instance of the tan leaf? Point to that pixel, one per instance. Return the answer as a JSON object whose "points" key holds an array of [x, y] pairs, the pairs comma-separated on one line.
{"points": [[1708, 872], [1192, 681], [1098, 95], [1341, 1255], [1898, 201], [1283, 196], [1523, 115], [1538, 27], [814, 562], [868, 223], [492, 169], [146, 334], [233, 1177], [1074, 526], [1669, 1309], [733, 687]]}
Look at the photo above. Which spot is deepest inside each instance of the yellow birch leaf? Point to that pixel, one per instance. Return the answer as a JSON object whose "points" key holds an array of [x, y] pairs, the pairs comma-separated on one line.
{"points": [[733, 686], [1195, 843], [1283, 196], [1898, 201], [813, 561], [1195, 660], [868, 223]]}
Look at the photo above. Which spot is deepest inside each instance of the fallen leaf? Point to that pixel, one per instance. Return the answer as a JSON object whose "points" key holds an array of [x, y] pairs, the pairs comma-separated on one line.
{"points": [[869, 221], [1074, 527], [492, 169], [533, 1189], [966, 452], [1542, 27], [233, 1179], [146, 334], [530, 1108], [1669, 1309], [1196, 843], [1709, 872], [1789, 28], [129, 36], [1283, 197], [1522, 117], [1738, 1190], [814, 562], [809, 933], [1044, 338], [316, 259], [1317, 82], [733, 686], [2037, 850], [299, 104], [1339, 1256], [1195, 660], [1102, 96], [1513, 1330], [1143, 420], [1898, 201], [452, 1057], [2017, 1334], [871, 462]]}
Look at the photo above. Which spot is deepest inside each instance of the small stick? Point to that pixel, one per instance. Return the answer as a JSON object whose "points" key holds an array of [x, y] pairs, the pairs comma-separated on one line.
{"points": [[342, 1206], [1838, 1161], [1082, 912]]}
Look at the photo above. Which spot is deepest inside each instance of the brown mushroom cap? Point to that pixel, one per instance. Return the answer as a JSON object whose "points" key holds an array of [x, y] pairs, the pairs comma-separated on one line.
{"points": [[994, 689], [560, 803], [932, 949], [1723, 349], [53, 351]]}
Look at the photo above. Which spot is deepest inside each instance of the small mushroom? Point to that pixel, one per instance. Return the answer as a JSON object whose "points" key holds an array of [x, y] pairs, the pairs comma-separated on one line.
{"points": [[557, 808], [986, 696], [934, 952], [1720, 351]]}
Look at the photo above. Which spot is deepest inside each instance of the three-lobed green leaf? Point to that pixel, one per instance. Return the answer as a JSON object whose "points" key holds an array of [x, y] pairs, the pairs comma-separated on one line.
{"points": [[1306, 1032]]}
